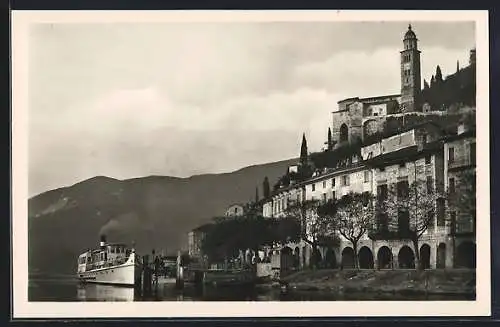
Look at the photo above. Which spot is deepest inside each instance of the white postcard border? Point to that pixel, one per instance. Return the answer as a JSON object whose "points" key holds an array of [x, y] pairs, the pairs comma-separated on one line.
{"points": [[24, 309]]}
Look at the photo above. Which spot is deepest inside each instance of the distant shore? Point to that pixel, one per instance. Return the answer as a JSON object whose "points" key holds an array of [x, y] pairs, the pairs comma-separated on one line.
{"points": [[431, 282]]}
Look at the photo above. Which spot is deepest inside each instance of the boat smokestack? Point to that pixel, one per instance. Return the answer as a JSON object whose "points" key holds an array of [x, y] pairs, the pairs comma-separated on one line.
{"points": [[103, 241]]}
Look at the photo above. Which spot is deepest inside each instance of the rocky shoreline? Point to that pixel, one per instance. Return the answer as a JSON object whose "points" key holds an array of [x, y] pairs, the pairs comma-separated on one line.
{"points": [[401, 282]]}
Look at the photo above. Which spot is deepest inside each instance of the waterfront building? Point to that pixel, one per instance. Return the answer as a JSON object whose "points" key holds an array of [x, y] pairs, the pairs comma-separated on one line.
{"points": [[421, 153], [195, 239], [460, 172]]}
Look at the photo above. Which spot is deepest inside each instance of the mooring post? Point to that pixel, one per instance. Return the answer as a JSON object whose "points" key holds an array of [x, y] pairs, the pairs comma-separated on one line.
{"points": [[179, 281], [146, 284]]}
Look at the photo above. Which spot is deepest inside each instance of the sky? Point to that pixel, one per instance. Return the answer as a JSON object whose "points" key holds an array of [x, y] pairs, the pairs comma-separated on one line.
{"points": [[180, 99]]}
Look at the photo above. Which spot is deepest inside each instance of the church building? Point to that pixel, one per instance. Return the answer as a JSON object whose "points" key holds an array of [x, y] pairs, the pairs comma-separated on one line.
{"points": [[358, 117]]}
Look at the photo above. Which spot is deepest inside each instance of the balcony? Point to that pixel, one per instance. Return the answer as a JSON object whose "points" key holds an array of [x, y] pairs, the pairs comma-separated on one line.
{"points": [[464, 227], [461, 162]]}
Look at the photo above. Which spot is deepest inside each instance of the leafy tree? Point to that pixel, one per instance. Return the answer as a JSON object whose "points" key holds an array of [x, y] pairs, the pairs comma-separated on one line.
{"points": [[265, 188], [414, 208], [285, 229], [228, 235], [351, 216]]}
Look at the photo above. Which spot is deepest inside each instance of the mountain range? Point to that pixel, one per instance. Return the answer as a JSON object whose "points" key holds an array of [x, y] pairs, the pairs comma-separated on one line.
{"points": [[154, 212]]}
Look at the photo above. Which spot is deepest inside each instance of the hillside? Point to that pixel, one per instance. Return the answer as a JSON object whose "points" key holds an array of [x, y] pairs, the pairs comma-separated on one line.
{"points": [[156, 212]]}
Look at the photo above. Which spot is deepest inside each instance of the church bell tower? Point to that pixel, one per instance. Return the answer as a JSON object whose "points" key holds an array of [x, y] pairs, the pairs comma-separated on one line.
{"points": [[410, 73]]}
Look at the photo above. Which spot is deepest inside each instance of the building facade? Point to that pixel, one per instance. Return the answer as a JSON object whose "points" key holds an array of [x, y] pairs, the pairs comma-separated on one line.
{"points": [[460, 170], [234, 210], [420, 154], [195, 239]]}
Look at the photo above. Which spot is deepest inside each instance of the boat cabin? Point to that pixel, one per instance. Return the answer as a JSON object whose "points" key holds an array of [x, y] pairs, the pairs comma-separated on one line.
{"points": [[107, 255]]}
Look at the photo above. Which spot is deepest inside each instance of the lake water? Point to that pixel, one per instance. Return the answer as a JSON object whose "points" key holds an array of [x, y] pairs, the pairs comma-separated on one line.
{"points": [[62, 290]]}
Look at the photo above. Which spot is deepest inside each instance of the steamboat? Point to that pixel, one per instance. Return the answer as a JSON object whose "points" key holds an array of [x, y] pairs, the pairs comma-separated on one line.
{"points": [[111, 263]]}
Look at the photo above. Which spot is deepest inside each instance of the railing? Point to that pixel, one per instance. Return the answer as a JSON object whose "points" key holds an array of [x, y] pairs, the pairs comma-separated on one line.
{"points": [[460, 162], [463, 227]]}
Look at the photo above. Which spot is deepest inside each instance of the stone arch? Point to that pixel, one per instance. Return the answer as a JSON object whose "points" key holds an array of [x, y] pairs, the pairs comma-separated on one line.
{"points": [[344, 133], [441, 256], [286, 250], [466, 255], [425, 256], [348, 257], [384, 258], [406, 258], [365, 256], [330, 259]]}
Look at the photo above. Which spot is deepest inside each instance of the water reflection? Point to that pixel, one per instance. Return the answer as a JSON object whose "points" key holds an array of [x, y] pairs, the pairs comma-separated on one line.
{"points": [[69, 290], [96, 292]]}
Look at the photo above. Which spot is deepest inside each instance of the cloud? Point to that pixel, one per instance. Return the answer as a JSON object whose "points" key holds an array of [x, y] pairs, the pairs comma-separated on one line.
{"points": [[180, 99]]}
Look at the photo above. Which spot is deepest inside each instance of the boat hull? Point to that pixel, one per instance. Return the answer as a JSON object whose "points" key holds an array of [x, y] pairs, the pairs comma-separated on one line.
{"points": [[127, 274]]}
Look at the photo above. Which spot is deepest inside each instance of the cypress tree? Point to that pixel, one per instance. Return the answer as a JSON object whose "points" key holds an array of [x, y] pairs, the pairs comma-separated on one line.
{"points": [[330, 145], [303, 151], [439, 75], [426, 85], [265, 188], [257, 194]]}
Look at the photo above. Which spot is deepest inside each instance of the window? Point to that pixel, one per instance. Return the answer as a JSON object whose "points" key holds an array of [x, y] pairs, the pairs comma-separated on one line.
{"points": [[324, 197], [427, 159], [324, 184], [345, 180], [375, 113], [383, 221], [333, 195], [313, 186], [451, 154], [451, 185], [344, 133], [382, 169], [440, 212], [382, 192], [401, 165], [367, 176], [472, 152], [403, 221], [402, 189], [333, 182], [430, 184]]}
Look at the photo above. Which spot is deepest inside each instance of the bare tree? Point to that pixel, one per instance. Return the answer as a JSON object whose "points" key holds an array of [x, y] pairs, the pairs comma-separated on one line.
{"points": [[415, 207], [352, 216], [313, 226]]}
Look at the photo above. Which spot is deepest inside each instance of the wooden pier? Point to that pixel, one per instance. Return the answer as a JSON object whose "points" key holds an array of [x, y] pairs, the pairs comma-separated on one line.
{"points": [[152, 278]]}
